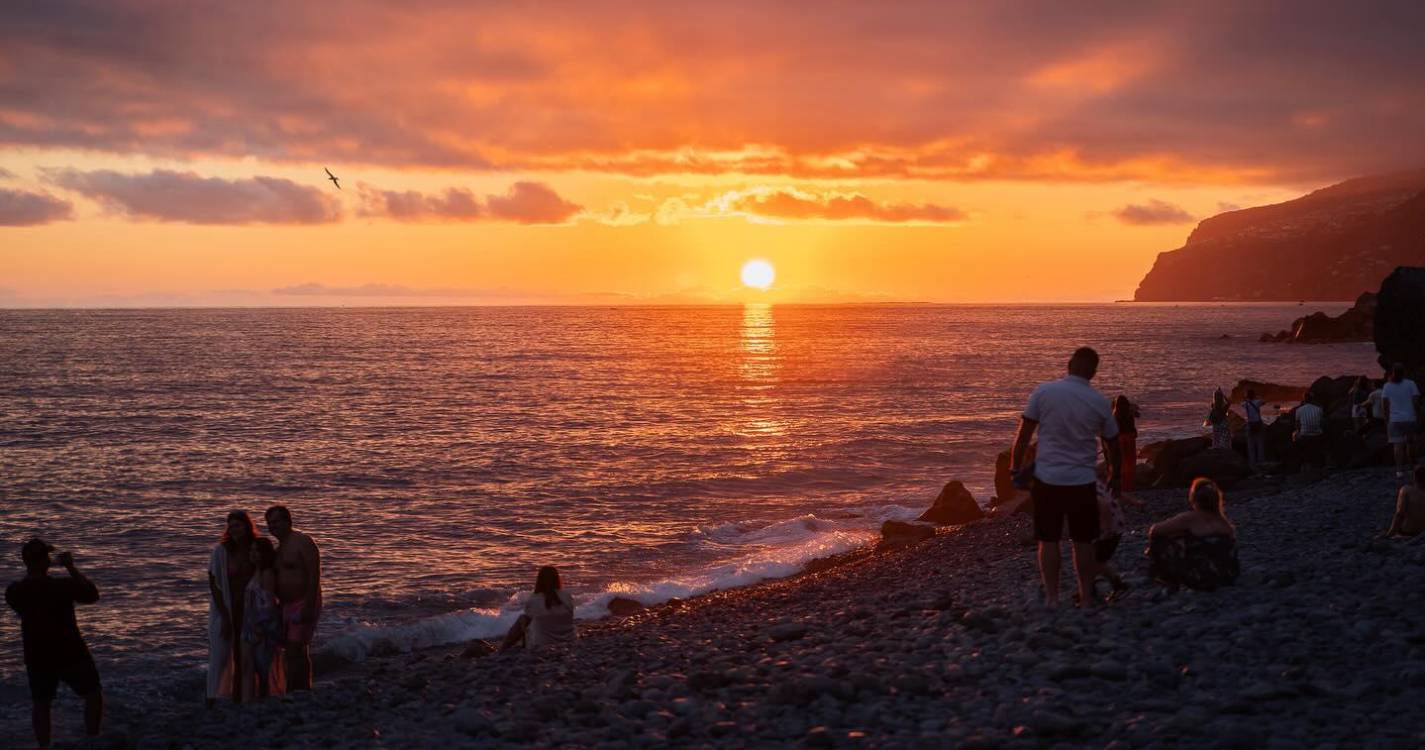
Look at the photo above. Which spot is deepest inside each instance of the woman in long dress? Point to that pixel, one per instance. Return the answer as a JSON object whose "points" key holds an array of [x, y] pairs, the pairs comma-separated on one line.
{"points": [[229, 569], [1217, 420], [262, 673]]}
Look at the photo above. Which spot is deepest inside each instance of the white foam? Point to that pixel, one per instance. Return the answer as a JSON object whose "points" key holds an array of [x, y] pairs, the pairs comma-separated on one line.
{"points": [[751, 552]]}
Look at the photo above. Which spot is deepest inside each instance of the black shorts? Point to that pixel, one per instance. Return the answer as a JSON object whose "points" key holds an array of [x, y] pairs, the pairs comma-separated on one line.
{"points": [[1054, 503], [80, 675], [1103, 549]]}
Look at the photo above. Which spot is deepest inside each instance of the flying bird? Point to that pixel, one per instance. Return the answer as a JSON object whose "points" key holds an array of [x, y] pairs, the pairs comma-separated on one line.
{"points": [[332, 177]]}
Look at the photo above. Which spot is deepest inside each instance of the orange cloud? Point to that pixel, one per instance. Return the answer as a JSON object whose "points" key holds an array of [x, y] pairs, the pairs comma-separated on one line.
{"points": [[185, 197], [524, 203], [798, 205]]}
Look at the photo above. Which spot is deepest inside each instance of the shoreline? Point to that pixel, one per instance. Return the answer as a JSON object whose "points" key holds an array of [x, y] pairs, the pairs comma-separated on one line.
{"points": [[939, 642]]}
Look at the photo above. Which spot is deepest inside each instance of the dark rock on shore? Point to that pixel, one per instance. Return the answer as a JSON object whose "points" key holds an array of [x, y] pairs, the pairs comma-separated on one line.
{"points": [[1222, 465], [1267, 392], [1400, 320], [622, 606], [953, 507], [1167, 455], [900, 533], [1005, 491]]}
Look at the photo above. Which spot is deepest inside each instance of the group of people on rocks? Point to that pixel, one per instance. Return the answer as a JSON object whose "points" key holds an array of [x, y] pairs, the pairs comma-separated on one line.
{"points": [[1072, 420]]}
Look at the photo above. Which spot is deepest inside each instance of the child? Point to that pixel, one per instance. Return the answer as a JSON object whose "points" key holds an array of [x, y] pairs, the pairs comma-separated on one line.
{"points": [[262, 624], [1111, 526]]}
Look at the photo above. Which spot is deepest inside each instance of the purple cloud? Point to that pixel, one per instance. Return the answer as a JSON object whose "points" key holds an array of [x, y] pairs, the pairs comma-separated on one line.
{"points": [[531, 203], [19, 208], [1153, 212], [164, 195], [524, 203]]}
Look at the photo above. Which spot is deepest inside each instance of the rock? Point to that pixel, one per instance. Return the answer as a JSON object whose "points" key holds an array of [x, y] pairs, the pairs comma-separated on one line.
{"points": [[1355, 324], [620, 683], [954, 506], [1221, 465], [787, 631], [1270, 392], [1053, 723], [899, 533], [818, 737], [1107, 669], [623, 607], [701, 681], [1399, 330], [477, 649], [1169, 454], [471, 722], [1005, 491]]}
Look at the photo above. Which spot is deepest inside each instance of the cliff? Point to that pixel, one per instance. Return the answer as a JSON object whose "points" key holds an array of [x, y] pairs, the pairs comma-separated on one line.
{"points": [[1334, 243]]}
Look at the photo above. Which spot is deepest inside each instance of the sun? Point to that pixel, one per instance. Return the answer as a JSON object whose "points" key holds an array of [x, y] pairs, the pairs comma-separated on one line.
{"points": [[758, 274]]}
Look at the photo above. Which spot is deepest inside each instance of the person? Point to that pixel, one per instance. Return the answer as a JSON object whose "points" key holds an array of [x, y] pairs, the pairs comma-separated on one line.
{"points": [[54, 650], [1409, 519], [548, 616], [262, 626], [229, 569], [1376, 402], [1071, 417], [1309, 435], [1400, 400], [1198, 547], [1126, 413], [1217, 419], [299, 590], [1111, 527], [1256, 430], [1357, 398]]}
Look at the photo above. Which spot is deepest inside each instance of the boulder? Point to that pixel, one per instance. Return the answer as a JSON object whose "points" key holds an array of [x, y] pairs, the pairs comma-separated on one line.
{"points": [[954, 506], [1272, 392], [622, 606], [1400, 320], [1170, 453], [1221, 465], [900, 533]]}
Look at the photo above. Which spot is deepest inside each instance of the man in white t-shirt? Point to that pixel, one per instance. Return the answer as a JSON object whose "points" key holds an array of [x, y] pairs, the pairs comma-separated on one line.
{"points": [[1071, 418], [1401, 402]]}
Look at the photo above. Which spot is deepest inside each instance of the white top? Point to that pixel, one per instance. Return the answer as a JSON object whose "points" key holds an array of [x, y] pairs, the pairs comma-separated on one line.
{"points": [[1402, 397], [1072, 416], [1375, 400], [1308, 420], [547, 625]]}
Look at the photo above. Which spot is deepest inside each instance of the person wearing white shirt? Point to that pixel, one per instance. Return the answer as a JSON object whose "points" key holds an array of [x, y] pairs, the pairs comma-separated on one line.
{"points": [[1309, 436], [1071, 418], [548, 616], [1401, 403]]}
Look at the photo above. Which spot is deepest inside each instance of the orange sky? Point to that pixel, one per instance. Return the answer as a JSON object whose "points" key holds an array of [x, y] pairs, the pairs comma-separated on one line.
{"points": [[629, 152]]}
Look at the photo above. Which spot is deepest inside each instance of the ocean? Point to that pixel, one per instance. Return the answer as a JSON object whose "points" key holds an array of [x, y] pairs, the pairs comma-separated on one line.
{"points": [[438, 456]]}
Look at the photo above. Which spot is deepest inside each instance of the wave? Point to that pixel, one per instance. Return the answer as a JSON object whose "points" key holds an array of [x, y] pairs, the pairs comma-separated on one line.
{"points": [[760, 551]]}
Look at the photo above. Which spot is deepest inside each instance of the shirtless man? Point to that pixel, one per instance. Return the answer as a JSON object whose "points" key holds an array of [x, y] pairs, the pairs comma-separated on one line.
{"points": [[299, 589]]}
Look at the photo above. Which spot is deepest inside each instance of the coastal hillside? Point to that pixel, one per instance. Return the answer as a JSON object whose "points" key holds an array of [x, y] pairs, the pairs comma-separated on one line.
{"points": [[1334, 243]]}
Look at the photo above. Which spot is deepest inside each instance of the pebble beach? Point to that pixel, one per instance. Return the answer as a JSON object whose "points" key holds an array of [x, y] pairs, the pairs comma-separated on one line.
{"points": [[939, 644]]}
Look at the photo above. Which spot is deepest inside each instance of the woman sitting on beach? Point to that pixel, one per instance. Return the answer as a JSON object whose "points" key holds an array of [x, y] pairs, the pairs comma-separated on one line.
{"points": [[1409, 518], [548, 615], [262, 626], [1196, 548]]}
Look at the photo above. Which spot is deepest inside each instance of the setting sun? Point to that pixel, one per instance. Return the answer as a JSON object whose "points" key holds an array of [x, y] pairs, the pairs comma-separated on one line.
{"points": [[758, 274]]}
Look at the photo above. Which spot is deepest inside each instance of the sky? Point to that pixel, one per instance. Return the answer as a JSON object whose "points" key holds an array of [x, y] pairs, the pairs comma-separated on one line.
{"points": [[173, 153]]}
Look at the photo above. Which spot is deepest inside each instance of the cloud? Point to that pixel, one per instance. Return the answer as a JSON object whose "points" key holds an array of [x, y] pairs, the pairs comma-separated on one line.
{"points": [[19, 208], [1270, 91], [1153, 212], [165, 195], [6, 174], [531, 203], [799, 205], [524, 203]]}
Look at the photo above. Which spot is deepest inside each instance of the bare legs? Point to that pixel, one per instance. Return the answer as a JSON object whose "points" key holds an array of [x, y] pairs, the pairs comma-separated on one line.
{"points": [[516, 635], [1085, 568], [297, 658], [93, 717]]}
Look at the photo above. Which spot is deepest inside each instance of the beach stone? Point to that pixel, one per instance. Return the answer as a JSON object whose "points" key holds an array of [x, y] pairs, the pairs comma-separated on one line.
{"points": [[1108, 669], [471, 722], [900, 533], [701, 681], [1222, 465], [1053, 723], [818, 736], [787, 631], [953, 506], [620, 606], [621, 683], [477, 649]]}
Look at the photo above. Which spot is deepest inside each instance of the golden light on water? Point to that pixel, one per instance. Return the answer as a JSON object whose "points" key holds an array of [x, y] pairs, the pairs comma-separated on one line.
{"points": [[758, 274]]}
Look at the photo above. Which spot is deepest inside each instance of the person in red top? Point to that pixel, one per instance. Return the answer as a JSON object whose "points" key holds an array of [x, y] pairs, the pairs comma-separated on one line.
{"points": [[54, 650]]}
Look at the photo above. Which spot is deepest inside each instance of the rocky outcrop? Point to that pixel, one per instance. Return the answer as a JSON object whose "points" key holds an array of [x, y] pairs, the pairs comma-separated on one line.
{"points": [[1332, 244], [1267, 392], [954, 506], [900, 533], [1355, 324], [1400, 319], [623, 607], [1167, 455], [1222, 465]]}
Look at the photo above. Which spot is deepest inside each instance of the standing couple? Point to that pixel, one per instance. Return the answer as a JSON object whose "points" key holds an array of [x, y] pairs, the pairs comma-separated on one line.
{"points": [[263, 610]]}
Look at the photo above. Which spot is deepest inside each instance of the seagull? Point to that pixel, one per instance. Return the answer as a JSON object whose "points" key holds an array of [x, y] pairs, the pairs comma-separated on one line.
{"points": [[332, 177]]}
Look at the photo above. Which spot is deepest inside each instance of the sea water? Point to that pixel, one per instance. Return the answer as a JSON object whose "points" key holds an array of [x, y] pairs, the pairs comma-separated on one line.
{"points": [[439, 456]]}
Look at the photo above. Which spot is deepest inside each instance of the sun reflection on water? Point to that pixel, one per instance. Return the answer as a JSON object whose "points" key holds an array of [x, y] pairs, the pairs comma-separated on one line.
{"points": [[760, 365]]}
